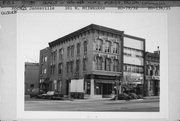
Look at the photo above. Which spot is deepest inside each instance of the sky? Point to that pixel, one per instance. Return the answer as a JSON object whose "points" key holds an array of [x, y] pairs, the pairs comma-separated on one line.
{"points": [[36, 30]]}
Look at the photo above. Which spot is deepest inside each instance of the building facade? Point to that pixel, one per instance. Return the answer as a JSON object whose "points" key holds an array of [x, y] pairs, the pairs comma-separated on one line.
{"points": [[152, 81], [44, 67], [31, 76], [133, 64], [95, 54]]}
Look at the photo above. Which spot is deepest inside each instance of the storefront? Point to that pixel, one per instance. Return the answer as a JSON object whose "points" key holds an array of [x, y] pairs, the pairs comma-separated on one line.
{"points": [[153, 85], [101, 86]]}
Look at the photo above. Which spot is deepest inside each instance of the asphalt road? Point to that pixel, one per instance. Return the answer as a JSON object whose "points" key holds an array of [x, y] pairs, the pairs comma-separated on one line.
{"points": [[145, 105]]}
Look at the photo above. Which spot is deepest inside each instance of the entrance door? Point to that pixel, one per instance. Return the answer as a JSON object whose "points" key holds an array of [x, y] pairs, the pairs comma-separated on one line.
{"points": [[67, 87], [107, 89]]}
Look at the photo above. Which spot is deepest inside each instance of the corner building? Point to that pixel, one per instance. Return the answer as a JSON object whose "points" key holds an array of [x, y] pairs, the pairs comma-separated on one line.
{"points": [[94, 54]]}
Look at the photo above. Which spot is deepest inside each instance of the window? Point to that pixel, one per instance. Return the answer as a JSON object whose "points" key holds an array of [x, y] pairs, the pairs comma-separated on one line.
{"points": [[125, 67], [133, 69], [77, 66], [52, 69], [45, 59], [60, 54], [115, 65], [44, 71], [60, 68], [107, 64], [53, 54], [78, 49], [68, 51], [108, 46], [71, 66], [99, 45], [85, 47], [84, 64], [67, 67], [72, 51], [115, 47], [99, 63], [139, 54]]}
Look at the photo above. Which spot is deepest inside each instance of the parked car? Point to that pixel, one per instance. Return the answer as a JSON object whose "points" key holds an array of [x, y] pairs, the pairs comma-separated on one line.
{"points": [[34, 92], [57, 96], [122, 96], [140, 96], [52, 95], [133, 96], [48, 95]]}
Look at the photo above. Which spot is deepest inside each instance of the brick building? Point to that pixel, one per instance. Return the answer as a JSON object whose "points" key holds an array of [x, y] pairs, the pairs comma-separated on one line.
{"points": [[100, 56], [31, 76], [44, 67], [152, 82]]}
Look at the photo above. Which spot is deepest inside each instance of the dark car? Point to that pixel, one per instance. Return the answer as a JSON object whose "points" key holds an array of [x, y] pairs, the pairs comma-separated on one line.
{"points": [[34, 93], [123, 96], [133, 96]]}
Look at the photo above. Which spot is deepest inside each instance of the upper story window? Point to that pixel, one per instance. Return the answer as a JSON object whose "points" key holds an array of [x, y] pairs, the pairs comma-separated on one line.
{"points": [[107, 64], [77, 66], [84, 64], [133, 69], [78, 48], [115, 65], [67, 67], [115, 47], [53, 55], [99, 63], [99, 45], [68, 51], [61, 53], [60, 67], [72, 51], [52, 70], [85, 47], [71, 66], [45, 59], [108, 46], [44, 71]]}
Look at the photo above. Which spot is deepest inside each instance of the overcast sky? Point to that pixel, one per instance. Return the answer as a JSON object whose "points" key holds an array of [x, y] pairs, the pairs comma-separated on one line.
{"points": [[36, 30]]}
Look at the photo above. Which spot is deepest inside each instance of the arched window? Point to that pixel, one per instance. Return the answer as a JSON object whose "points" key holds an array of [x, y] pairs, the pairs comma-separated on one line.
{"points": [[115, 65], [99, 63], [99, 44], [107, 64], [115, 47], [108, 46], [85, 47]]}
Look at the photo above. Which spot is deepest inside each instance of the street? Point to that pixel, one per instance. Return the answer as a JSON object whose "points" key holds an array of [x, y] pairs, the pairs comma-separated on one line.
{"points": [[141, 105]]}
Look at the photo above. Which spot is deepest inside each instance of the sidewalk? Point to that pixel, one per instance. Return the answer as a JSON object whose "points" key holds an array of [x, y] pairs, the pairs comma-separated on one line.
{"points": [[151, 97]]}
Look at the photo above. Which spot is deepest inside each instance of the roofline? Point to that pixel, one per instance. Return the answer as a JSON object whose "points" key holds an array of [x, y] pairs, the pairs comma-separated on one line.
{"points": [[134, 37], [85, 29]]}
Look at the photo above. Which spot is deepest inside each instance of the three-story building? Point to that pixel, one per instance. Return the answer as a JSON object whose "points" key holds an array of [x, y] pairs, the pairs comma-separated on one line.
{"points": [[96, 55]]}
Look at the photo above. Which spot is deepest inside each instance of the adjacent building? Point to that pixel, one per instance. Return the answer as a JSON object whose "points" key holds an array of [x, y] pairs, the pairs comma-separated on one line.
{"points": [[31, 76], [133, 64], [152, 81], [102, 57], [44, 67]]}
